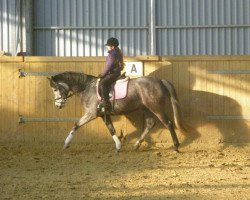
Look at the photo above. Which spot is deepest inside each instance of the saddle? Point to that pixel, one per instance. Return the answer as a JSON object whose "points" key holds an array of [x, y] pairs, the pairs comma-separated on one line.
{"points": [[118, 90]]}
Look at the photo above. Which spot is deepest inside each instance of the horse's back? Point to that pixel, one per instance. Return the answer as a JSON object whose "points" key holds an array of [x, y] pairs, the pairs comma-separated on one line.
{"points": [[147, 84], [148, 89]]}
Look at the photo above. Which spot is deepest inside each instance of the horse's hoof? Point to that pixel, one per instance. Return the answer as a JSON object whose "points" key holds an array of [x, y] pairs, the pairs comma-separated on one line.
{"points": [[65, 146], [117, 150], [176, 151]]}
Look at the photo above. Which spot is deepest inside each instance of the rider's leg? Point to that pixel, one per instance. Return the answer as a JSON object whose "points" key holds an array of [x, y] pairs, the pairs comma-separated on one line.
{"points": [[103, 90], [105, 83], [104, 87]]}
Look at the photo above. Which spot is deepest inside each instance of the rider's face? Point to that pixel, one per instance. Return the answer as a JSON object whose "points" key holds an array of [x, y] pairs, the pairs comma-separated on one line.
{"points": [[110, 48]]}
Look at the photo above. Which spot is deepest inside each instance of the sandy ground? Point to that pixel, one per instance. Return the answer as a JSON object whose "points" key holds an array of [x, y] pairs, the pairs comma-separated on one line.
{"points": [[97, 172]]}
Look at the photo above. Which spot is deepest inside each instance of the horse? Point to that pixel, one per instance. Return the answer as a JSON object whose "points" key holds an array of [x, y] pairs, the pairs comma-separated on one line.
{"points": [[146, 93]]}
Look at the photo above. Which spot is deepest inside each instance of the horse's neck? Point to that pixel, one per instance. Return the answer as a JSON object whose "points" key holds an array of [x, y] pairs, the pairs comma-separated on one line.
{"points": [[80, 85]]}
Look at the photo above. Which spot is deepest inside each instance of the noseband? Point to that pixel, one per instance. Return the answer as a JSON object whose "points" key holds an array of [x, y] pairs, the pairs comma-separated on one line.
{"points": [[72, 94], [68, 95]]}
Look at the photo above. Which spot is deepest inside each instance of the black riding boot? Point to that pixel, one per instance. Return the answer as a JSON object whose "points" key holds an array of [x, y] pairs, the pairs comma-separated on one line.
{"points": [[105, 99]]}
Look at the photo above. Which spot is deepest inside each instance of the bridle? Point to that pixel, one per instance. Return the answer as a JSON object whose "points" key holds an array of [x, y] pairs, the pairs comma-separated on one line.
{"points": [[61, 96], [68, 95]]}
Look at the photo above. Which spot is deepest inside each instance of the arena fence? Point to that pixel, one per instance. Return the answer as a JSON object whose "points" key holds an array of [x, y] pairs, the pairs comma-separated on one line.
{"points": [[213, 94]]}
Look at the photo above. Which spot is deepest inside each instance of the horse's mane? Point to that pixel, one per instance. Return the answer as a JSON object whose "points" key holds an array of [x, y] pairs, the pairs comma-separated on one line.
{"points": [[73, 78]]}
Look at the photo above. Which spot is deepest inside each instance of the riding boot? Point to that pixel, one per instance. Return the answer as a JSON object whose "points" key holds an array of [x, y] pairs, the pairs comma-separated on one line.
{"points": [[105, 100], [107, 106]]}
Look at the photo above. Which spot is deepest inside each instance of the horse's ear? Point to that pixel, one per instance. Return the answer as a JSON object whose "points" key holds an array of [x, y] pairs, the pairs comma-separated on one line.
{"points": [[50, 78]]}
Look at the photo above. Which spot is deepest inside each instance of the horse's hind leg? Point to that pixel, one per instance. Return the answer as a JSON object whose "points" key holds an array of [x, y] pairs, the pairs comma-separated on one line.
{"points": [[150, 122], [168, 124], [112, 131], [174, 136]]}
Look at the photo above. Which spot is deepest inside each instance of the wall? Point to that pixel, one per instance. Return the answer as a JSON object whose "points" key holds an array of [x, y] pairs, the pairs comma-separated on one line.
{"points": [[81, 28], [9, 97], [175, 27], [202, 27], [10, 26], [156, 27], [213, 94]]}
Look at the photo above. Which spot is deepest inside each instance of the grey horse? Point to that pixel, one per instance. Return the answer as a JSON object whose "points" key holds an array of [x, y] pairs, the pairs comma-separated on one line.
{"points": [[146, 93]]}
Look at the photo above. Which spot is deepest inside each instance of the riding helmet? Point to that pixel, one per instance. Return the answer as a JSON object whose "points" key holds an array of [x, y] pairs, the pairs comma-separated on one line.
{"points": [[112, 42]]}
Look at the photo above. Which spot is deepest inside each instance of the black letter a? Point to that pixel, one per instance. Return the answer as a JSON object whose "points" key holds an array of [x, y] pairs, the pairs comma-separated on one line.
{"points": [[133, 69]]}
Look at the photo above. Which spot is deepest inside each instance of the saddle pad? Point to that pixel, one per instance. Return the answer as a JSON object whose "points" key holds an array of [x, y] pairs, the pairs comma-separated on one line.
{"points": [[120, 89]]}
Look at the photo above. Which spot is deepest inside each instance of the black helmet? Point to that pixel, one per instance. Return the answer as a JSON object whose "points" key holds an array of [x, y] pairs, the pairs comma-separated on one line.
{"points": [[112, 42]]}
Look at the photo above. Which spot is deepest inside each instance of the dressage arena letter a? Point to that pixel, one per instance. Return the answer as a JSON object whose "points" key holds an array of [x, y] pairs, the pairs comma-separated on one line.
{"points": [[134, 69]]}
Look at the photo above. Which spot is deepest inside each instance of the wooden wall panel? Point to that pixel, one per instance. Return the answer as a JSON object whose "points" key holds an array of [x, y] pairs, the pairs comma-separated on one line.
{"points": [[213, 94], [9, 98]]}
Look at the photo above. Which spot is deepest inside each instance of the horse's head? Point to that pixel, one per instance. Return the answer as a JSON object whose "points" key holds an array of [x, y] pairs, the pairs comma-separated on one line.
{"points": [[61, 91]]}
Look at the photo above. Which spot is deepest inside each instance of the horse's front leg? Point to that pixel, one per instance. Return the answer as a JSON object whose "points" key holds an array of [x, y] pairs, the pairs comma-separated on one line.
{"points": [[112, 131], [83, 120]]}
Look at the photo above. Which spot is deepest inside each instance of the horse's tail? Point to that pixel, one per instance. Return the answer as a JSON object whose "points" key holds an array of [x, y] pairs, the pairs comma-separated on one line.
{"points": [[175, 105]]}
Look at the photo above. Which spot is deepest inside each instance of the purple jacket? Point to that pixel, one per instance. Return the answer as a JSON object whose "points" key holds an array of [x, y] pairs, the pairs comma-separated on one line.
{"points": [[114, 62]]}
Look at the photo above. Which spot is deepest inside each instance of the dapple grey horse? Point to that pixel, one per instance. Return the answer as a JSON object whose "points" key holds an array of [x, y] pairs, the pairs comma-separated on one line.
{"points": [[146, 93]]}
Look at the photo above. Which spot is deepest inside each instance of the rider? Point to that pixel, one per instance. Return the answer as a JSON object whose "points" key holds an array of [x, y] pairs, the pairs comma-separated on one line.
{"points": [[112, 70]]}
